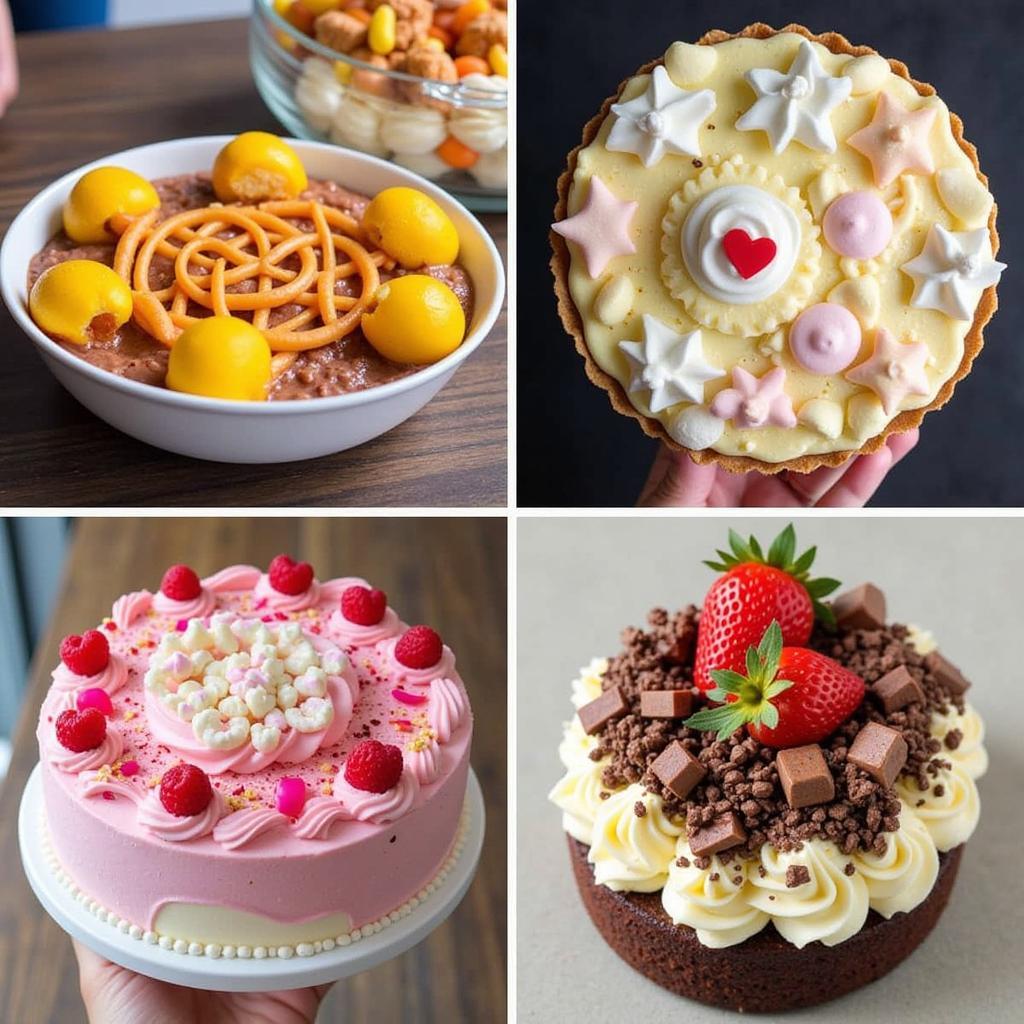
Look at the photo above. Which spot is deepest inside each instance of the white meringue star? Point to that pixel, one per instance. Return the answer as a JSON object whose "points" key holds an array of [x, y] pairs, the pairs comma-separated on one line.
{"points": [[669, 365], [952, 271], [665, 119], [796, 105]]}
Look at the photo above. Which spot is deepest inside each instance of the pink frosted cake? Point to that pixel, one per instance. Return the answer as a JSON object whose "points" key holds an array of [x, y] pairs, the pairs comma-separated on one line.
{"points": [[254, 764]]}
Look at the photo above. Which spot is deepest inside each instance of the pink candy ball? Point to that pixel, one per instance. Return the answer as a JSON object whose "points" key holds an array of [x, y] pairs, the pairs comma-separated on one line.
{"points": [[94, 698], [825, 338], [858, 224], [290, 796]]}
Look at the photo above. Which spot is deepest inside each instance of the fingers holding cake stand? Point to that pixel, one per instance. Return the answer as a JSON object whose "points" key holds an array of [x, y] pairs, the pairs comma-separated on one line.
{"points": [[239, 969]]}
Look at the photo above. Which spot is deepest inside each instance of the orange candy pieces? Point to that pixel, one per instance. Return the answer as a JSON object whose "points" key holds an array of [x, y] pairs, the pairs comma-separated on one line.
{"points": [[457, 154], [470, 65]]}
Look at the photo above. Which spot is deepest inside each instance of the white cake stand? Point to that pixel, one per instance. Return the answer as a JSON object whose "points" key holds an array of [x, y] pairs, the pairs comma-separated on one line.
{"points": [[237, 975]]}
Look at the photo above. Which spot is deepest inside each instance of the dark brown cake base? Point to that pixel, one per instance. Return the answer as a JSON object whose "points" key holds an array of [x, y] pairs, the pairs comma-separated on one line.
{"points": [[765, 973]]}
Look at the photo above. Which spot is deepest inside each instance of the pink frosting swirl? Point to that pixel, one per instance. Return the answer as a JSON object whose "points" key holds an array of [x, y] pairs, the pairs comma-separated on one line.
{"points": [[425, 764], [415, 676], [93, 785], [379, 808], [448, 708], [234, 577], [155, 818], [110, 679], [73, 762], [243, 827], [318, 816], [331, 590], [194, 608], [130, 606], [287, 602]]}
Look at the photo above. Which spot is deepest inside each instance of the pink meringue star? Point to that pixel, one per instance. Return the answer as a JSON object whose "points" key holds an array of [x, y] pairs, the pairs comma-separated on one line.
{"points": [[754, 401], [600, 228], [893, 370], [896, 140]]}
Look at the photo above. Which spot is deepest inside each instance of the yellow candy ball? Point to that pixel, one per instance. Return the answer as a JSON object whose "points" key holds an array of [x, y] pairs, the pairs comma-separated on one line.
{"points": [[256, 166], [80, 301], [411, 228], [417, 320], [100, 194], [318, 7], [220, 357]]}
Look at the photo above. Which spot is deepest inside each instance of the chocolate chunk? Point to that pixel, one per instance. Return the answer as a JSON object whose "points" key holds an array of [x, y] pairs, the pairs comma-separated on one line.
{"points": [[679, 649], [598, 713], [897, 689], [804, 776], [797, 875], [677, 769], [879, 751], [947, 674], [665, 703], [860, 608], [723, 833]]}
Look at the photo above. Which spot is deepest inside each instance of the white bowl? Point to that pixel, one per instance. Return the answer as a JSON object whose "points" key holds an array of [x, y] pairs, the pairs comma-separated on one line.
{"points": [[224, 431]]}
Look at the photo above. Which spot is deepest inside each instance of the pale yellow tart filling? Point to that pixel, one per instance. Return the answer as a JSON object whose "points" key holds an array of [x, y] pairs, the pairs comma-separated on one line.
{"points": [[788, 194]]}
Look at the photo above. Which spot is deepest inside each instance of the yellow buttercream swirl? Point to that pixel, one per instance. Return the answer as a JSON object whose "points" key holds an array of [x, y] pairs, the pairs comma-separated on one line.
{"points": [[578, 795], [950, 817], [970, 753], [828, 908], [628, 851], [587, 685], [902, 877], [711, 900]]}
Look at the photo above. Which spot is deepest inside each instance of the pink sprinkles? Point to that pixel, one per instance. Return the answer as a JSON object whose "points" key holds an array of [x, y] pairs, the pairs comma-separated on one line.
{"points": [[407, 698]]}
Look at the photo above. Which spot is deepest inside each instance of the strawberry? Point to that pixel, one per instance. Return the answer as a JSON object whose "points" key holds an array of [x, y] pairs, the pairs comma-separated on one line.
{"points": [[756, 590], [419, 647], [790, 695], [363, 606], [79, 731], [374, 767], [185, 790], [85, 655], [290, 577], [180, 583]]}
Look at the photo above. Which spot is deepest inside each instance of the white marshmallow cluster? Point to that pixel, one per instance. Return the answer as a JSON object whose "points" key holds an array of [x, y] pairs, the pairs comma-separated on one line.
{"points": [[244, 680]]}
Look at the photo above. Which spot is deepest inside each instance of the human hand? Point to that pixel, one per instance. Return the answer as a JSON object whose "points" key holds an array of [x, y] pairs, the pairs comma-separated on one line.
{"points": [[675, 480], [8, 59], [115, 995]]}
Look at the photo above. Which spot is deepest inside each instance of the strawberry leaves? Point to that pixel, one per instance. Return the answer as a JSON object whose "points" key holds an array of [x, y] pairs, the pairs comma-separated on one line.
{"points": [[781, 555], [748, 699]]}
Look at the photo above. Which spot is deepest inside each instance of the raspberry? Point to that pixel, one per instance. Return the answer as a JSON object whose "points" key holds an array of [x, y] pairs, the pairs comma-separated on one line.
{"points": [[420, 647], [374, 766], [81, 730], [180, 583], [363, 606], [85, 655], [185, 790], [290, 577]]}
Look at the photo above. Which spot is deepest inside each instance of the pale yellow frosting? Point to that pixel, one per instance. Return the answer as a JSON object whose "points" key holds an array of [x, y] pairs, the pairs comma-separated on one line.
{"points": [[843, 414]]}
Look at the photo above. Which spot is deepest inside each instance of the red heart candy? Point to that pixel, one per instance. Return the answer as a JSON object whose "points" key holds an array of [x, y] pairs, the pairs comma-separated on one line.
{"points": [[290, 577], [748, 255], [85, 655]]}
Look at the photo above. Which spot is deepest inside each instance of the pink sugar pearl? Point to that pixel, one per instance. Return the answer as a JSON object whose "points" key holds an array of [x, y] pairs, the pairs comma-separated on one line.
{"points": [[858, 224], [96, 698], [290, 796], [825, 338], [130, 768]]}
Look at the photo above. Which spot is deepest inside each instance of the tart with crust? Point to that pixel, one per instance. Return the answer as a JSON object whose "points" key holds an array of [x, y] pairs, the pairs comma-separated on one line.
{"points": [[774, 249]]}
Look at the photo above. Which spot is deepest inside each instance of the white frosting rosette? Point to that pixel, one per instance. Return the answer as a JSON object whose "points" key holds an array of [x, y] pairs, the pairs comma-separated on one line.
{"points": [[970, 753], [902, 877], [491, 170], [412, 130], [357, 124], [576, 745], [483, 129], [714, 901], [829, 908], [629, 851], [949, 809], [587, 685], [578, 795]]}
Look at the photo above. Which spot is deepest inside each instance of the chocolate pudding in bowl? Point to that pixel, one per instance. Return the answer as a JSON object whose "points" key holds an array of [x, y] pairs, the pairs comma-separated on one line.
{"points": [[400, 326]]}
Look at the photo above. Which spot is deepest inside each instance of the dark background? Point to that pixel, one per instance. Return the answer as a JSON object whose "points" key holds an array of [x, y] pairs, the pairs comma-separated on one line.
{"points": [[573, 449]]}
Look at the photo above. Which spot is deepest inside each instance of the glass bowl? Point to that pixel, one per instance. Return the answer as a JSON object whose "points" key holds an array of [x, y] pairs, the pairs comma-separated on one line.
{"points": [[320, 94]]}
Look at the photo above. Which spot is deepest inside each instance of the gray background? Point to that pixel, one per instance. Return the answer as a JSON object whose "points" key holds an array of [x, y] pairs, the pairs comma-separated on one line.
{"points": [[579, 52], [582, 580]]}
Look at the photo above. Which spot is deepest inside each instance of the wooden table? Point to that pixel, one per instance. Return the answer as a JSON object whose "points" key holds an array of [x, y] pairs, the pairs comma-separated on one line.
{"points": [[86, 94], [448, 572]]}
